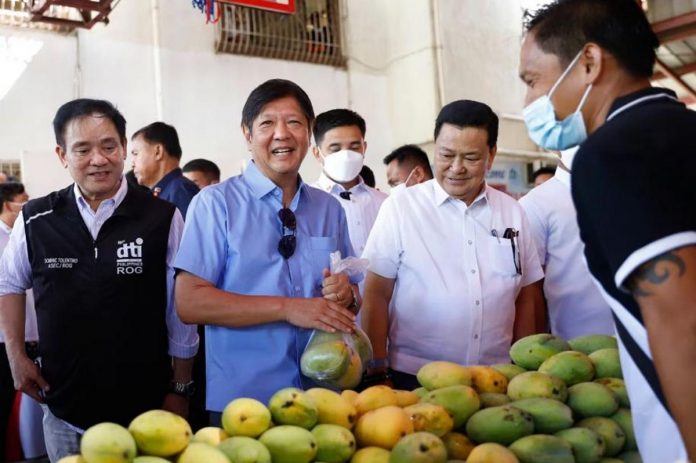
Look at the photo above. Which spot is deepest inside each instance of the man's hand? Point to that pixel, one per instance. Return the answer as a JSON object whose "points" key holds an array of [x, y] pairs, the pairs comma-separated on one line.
{"points": [[337, 288], [176, 404], [320, 314], [27, 377]]}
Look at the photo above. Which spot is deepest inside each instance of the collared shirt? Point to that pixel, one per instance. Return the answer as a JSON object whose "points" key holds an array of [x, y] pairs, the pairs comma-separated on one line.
{"points": [[176, 189], [15, 269], [231, 240], [361, 208], [456, 283], [633, 187], [31, 332], [575, 305]]}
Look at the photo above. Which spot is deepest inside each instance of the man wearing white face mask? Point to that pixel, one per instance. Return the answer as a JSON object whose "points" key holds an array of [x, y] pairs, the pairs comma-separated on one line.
{"points": [[575, 305], [340, 147]]}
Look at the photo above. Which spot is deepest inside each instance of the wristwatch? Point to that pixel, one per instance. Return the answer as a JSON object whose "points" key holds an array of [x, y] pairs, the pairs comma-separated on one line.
{"points": [[183, 389]]}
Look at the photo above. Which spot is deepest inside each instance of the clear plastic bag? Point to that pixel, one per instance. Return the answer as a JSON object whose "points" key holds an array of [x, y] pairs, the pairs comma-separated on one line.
{"points": [[337, 360]]}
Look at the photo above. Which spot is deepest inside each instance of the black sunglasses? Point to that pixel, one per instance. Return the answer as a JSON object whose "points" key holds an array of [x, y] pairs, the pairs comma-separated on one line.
{"points": [[287, 244]]}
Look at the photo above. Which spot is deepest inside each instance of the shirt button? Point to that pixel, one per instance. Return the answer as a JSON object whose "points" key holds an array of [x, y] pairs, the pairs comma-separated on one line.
{"points": [[473, 271], [471, 242], [478, 302], [297, 288], [476, 336]]}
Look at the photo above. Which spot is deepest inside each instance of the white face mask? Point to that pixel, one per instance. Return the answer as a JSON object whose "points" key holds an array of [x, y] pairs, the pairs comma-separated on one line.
{"points": [[343, 166], [403, 185]]}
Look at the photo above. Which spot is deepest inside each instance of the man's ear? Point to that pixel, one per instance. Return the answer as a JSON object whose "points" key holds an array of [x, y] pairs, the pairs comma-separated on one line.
{"points": [[317, 155], [246, 131], [592, 62], [491, 156], [60, 152], [159, 151]]}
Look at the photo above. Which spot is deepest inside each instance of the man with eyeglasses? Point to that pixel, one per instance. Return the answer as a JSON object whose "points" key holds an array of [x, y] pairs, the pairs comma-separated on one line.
{"points": [[98, 255], [253, 264], [453, 271]]}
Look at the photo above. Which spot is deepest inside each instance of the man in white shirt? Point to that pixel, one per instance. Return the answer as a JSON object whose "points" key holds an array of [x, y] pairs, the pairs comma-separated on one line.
{"points": [[575, 305], [452, 265], [340, 146], [407, 165]]}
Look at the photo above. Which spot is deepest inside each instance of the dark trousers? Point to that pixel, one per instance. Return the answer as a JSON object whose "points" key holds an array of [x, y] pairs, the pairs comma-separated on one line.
{"points": [[198, 415], [404, 381], [7, 396]]}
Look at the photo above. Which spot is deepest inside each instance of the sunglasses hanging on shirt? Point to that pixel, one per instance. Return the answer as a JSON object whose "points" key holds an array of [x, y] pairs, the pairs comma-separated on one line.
{"points": [[287, 244]]}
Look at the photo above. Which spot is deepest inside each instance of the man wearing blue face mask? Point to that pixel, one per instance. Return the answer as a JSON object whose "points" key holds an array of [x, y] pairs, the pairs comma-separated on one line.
{"points": [[340, 147], [636, 216]]}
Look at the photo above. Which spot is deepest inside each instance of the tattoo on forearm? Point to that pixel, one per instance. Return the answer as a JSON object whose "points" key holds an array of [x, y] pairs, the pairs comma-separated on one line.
{"points": [[655, 272]]}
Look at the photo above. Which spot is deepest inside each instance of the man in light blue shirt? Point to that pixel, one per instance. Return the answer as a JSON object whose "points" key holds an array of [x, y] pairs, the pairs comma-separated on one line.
{"points": [[253, 261]]}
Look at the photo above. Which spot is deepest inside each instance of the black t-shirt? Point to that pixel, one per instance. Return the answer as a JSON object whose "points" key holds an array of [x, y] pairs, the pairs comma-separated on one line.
{"points": [[634, 186]]}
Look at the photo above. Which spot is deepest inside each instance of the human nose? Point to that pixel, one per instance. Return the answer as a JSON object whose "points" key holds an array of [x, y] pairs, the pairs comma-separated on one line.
{"points": [[458, 165], [98, 158], [281, 131]]}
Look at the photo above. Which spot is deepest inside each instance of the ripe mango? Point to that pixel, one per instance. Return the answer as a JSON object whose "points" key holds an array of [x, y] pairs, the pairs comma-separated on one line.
{"points": [[588, 446], [406, 398], [362, 345], [419, 447], [333, 408], [436, 375], [202, 453], [531, 351], [210, 435], [491, 453], [430, 418], [292, 406], [540, 448], [383, 427], [487, 379], [510, 370], [618, 387], [246, 417], [571, 366], [492, 399], [549, 415], [72, 459], [242, 449], [289, 444], [352, 376], [630, 456], [535, 384], [350, 395], [371, 455], [143, 459], [624, 420], [502, 425], [335, 444], [460, 401], [107, 443], [420, 392], [160, 433], [614, 437], [375, 397], [458, 445], [327, 360], [591, 343], [592, 399], [607, 363]]}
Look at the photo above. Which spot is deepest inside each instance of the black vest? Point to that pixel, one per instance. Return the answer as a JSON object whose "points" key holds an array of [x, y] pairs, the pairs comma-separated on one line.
{"points": [[101, 306]]}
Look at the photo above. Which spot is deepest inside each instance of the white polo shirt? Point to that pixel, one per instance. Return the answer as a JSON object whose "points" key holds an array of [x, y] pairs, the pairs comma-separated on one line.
{"points": [[361, 208], [456, 283], [31, 332], [576, 307]]}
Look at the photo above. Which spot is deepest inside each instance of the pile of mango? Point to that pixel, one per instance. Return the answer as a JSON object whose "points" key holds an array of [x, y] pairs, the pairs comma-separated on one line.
{"points": [[559, 402]]}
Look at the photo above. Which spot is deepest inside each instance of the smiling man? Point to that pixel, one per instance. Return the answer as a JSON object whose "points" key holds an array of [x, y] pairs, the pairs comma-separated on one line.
{"points": [[453, 270], [253, 264]]}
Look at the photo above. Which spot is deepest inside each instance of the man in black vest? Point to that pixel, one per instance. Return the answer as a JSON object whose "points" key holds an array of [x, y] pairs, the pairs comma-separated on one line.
{"points": [[98, 255]]}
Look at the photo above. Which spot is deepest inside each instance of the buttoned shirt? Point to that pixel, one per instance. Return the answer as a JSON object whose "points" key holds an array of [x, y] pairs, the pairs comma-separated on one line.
{"points": [[15, 269], [456, 282], [31, 332], [361, 207], [176, 189], [575, 305], [231, 240]]}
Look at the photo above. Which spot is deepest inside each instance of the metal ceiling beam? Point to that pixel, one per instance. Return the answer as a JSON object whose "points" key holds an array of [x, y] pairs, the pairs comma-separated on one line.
{"points": [[677, 28], [680, 71], [663, 68], [84, 7]]}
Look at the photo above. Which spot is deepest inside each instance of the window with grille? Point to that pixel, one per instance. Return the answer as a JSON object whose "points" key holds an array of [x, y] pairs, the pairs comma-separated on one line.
{"points": [[312, 34], [12, 169]]}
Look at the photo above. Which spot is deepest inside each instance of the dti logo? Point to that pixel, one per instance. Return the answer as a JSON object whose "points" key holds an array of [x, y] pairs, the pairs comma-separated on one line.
{"points": [[132, 250]]}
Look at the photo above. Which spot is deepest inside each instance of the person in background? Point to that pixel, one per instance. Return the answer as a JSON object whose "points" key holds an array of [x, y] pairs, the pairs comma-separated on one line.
{"points": [[453, 271], [98, 255], [254, 259], [156, 155], [3, 177], [202, 172], [368, 176], [542, 174], [339, 137], [407, 165], [587, 65]]}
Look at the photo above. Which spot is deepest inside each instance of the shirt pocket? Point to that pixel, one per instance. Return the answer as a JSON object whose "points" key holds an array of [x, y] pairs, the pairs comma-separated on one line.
{"points": [[502, 256], [319, 248]]}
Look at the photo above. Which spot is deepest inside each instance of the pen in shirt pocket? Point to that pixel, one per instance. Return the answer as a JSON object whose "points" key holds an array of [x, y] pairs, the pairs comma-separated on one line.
{"points": [[494, 232]]}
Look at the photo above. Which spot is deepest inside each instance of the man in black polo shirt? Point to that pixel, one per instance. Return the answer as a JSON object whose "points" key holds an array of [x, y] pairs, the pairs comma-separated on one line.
{"points": [[587, 65], [98, 255]]}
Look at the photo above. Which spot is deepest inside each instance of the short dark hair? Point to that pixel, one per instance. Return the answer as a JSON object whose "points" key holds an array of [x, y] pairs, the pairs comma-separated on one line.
{"points": [[545, 170], [272, 90], [469, 113], [410, 156], [209, 168], [163, 134], [83, 107], [336, 118], [9, 191], [368, 176], [563, 27]]}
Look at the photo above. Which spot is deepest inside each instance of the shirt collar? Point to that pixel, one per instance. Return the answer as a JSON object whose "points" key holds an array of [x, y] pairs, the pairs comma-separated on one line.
{"points": [[262, 185], [326, 184], [167, 179], [441, 196], [4, 227], [116, 199], [639, 97], [563, 176]]}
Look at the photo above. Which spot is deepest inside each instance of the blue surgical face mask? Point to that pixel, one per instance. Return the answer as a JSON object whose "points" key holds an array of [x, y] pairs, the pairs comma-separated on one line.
{"points": [[545, 130]]}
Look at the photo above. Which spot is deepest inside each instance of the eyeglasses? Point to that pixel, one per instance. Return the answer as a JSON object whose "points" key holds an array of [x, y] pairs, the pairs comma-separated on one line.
{"points": [[512, 234], [286, 245]]}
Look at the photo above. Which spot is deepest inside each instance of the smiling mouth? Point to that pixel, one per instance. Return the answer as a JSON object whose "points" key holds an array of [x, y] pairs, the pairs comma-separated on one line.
{"points": [[282, 151]]}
